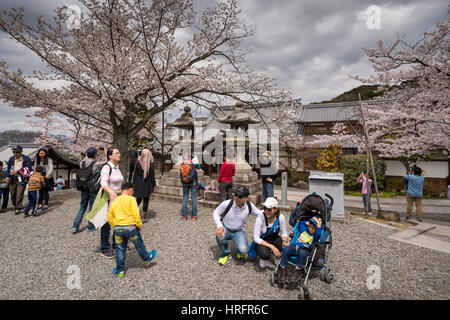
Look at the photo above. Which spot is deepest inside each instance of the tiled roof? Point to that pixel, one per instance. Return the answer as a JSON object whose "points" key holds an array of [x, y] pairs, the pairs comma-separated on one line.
{"points": [[332, 112]]}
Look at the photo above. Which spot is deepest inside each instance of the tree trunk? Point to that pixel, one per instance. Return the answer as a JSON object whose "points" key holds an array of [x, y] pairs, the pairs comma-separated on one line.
{"points": [[121, 142]]}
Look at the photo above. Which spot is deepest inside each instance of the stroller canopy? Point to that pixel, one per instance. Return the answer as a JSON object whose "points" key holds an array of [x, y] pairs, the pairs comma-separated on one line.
{"points": [[312, 205]]}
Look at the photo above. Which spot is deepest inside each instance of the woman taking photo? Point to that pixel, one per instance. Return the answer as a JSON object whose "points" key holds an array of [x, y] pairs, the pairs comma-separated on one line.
{"points": [[266, 234], [143, 177], [43, 160], [110, 181]]}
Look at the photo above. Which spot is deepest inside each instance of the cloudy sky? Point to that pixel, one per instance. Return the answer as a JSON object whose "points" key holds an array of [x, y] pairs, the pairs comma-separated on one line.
{"points": [[310, 47]]}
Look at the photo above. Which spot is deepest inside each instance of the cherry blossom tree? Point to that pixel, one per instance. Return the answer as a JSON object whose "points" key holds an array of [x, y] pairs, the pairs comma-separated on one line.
{"points": [[126, 61], [412, 119]]}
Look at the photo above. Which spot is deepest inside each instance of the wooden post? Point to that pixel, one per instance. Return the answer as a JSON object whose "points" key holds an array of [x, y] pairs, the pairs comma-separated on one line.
{"points": [[369, 154]]}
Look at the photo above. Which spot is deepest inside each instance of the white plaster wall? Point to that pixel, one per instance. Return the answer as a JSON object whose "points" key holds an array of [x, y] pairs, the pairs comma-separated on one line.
{"points": [[431, 169]]}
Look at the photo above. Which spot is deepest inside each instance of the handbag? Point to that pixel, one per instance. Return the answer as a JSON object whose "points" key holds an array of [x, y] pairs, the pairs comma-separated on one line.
{"points": [[252, 247]]}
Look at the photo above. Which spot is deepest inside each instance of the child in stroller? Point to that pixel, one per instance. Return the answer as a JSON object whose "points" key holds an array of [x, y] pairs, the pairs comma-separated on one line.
{"points": [[309, 233], [310, 245]]}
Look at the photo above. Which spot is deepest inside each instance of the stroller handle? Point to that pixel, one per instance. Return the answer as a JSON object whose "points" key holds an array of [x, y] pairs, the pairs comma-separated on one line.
{"points": [[331, 198]]}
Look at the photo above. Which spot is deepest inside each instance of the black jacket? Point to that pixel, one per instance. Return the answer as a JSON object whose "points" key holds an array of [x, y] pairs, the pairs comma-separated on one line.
{"points": [[143, 187]]}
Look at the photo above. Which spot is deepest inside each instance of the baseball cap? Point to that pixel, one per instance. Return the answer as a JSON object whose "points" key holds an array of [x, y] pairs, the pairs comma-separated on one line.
{"points": [[18, 148], [241, 192], [91, 151], [313, 222], [270, 203]]}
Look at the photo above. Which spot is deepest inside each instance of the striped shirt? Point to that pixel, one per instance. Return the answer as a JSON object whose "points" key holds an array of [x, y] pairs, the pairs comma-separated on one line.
{"points": [[113, 180]]}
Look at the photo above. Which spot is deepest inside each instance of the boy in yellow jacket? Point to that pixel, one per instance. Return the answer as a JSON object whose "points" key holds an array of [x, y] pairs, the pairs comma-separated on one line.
{"points": [[124, 218], [35, 183]]}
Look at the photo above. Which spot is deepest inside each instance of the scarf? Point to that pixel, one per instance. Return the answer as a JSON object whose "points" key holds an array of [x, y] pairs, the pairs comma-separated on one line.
{"points": [[145, 160]]}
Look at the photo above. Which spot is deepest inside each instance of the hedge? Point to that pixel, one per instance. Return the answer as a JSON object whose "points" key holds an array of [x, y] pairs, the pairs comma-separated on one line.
{"points": [[353, 165]]}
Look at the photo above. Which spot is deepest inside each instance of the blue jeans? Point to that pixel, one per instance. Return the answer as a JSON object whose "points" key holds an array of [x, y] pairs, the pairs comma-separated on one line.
{"points": [[366, 198], [86, 199], [267, 190], [239, 239], [4, 193], [293, 250], [191, 187], [32, 201], [105, 231], [122, 236]]}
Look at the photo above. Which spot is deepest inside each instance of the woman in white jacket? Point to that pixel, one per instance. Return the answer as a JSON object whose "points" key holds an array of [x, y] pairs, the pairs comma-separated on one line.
{"points": [[267, 239]]}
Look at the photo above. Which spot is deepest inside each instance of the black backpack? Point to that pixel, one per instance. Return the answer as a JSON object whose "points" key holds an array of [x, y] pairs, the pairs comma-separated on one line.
{"points": [[94, 182], [229, 207], [83, 176]]}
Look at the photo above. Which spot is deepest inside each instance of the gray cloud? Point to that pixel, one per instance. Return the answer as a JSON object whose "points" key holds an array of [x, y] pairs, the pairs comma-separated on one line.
{"points": [[310, 47]]}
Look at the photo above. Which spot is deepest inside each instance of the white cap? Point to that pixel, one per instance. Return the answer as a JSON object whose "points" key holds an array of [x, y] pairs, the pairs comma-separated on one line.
{"points": [[270, 203]]}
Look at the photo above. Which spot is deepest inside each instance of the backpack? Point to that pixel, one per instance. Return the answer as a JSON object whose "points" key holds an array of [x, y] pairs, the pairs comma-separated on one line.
{"points": [[187, 172], [229, 207], [83, 175], [23, 175], [94, 182]]}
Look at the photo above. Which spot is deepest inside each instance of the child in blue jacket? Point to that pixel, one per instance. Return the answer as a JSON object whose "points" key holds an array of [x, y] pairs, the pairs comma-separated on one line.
{"points": [[310, 233]]}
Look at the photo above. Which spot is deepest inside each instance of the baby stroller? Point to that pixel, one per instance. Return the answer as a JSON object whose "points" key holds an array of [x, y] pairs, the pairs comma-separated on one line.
{"points": [[312, 206]]}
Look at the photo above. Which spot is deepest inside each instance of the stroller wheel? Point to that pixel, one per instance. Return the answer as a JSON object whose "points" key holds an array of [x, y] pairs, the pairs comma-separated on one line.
{"points": [[326, 276], [304, 294], [329, 278], [273, 279]]}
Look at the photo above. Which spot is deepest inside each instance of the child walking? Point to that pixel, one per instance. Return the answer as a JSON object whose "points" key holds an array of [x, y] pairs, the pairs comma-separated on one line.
{"points": [[35, 183], [124, 218]]}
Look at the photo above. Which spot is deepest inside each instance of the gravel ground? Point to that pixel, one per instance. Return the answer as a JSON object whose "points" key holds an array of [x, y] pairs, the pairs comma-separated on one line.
{"points": [[37, 252]]}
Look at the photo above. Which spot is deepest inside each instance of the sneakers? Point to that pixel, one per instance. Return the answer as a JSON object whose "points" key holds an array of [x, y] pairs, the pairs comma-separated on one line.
{"points": [[240, 256], [223, 261], [194, 218], [25, 215], [152, 254], [262, 263], [74, 231], [118, 274], [184, 218], [108, 254]]}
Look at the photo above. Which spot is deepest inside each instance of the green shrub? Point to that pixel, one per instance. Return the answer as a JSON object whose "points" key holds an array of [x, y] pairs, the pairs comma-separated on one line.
{"points": [[352, 166]]}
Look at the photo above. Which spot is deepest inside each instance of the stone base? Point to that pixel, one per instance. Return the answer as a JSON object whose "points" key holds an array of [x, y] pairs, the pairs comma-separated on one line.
{"points": [[171, 188], [201, 202], [388, 216]]}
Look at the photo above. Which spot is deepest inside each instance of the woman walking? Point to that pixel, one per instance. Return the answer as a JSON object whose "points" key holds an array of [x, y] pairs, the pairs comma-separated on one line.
{"points": [[43, 160], [143, 178], [110, 181]]}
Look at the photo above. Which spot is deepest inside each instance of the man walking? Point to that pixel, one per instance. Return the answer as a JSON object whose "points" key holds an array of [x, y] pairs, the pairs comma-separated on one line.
{"points": [[87, 166], [16, 164]]}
